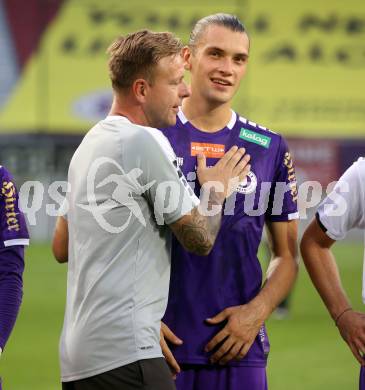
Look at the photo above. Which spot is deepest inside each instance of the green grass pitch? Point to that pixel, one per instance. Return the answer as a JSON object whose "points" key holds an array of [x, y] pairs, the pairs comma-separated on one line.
{"points": [[307, 352]]}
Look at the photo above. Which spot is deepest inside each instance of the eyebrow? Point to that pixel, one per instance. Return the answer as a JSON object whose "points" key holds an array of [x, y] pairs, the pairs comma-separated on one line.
{"points": [[178, 79], [218, 49]]}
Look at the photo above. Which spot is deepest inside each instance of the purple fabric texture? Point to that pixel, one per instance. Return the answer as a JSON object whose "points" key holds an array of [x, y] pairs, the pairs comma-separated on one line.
{"points": [[201, 287], [11, 289], [362, 379], [13, 236], [199, 377]]}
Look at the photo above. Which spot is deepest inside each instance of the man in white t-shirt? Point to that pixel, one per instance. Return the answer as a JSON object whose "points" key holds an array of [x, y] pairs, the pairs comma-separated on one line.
{"points": [[127, 193], [341, 211]]}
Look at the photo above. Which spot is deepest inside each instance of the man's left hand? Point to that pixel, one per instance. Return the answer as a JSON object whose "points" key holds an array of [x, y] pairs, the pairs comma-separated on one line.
{"points": [[167, 335]]}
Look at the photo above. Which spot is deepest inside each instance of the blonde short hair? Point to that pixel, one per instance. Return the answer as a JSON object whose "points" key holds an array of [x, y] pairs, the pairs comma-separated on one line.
{"points": [[137, 54]]}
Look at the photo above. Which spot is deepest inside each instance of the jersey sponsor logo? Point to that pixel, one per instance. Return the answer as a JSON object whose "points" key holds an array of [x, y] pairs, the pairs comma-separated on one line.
{"points": [[209, 150], [9, 192], [256, 138], [292, 180], [248, 185]]}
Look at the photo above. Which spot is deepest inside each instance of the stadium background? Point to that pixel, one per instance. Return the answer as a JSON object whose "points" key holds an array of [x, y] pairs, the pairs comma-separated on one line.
{"points": [[306, 80]]}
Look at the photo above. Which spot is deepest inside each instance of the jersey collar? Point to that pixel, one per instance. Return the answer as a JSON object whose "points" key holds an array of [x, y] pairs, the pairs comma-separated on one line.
{"points": [[229, 125], [117, 117]]}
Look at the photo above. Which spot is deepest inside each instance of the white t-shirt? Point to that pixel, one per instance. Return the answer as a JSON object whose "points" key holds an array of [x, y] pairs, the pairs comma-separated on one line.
{"points": [[119, 246], [344, 207]]}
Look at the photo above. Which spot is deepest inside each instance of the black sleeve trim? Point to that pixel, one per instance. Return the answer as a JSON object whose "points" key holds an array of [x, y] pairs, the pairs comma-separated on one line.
{"points": [[320, 223]]}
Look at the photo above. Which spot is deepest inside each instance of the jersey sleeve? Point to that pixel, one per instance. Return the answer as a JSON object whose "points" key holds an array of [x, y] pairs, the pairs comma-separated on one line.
{"points": [[343, 209], [63, 210], [167, 190], [12, 221], [11, 289], [283, 200]]}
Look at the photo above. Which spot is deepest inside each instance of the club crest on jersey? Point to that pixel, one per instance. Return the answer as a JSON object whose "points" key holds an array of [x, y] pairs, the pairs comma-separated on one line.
{"points": [[248, 185]]}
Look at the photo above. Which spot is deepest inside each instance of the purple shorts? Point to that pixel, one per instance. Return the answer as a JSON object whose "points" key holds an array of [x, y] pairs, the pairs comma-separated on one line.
{"points": [[362, 378], [201, 377]]}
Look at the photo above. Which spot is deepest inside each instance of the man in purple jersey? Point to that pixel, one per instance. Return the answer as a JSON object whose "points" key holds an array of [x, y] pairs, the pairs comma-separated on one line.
{"points": [[214, 322], [14, 236]]}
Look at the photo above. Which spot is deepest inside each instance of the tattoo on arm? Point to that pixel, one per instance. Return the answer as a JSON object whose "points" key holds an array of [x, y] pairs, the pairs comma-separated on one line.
{"points": [[197, 232]]}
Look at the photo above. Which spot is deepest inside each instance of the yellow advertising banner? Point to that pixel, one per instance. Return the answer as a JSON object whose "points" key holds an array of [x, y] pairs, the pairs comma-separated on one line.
{"points": [[306, 75], [308, 67]]}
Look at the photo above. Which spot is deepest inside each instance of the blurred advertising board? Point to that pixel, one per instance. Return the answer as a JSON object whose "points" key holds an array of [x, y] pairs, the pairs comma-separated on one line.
{"points": [[307, 63], [316, 159]]}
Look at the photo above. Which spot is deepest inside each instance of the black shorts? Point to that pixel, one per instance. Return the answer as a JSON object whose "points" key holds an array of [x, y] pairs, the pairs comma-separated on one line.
{"points": [[148, 374]]}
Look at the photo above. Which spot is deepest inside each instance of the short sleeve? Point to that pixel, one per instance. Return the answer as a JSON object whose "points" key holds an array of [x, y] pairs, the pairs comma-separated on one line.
{"points": [[343, 209], [63, 210], [167, 190], [13, 226], [283, 200]]}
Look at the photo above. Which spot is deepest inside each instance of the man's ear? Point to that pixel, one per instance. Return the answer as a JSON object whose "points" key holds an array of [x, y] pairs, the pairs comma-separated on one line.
{"points": [[140, 89], [186, 55]]}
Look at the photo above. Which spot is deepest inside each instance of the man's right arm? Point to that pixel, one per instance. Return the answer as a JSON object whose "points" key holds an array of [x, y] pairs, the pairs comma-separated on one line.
{"points": [[60, 240], [322, 268], [198, 230], [316, 244], [195, 222]]}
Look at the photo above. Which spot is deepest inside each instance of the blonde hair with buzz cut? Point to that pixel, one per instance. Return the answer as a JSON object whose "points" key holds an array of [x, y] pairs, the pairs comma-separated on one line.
{"points": [[136, 55]]}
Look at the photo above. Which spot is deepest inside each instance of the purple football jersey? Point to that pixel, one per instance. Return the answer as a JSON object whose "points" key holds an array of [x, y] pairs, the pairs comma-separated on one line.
{"points": [[14, 235], [13, 228], [201, 287]]}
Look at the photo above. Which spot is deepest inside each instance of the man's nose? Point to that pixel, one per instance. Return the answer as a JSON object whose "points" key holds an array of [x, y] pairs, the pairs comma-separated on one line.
{"points": [[226, 66], [184, 90]]}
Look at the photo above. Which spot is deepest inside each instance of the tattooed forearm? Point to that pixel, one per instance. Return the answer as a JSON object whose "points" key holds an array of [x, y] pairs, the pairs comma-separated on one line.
{"points": [[198, 235], [197, 232]]}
